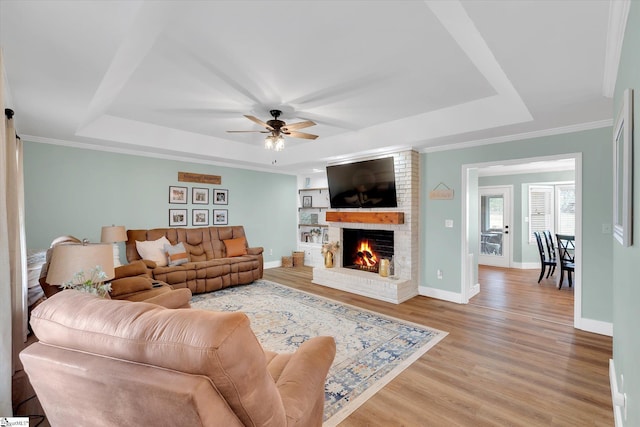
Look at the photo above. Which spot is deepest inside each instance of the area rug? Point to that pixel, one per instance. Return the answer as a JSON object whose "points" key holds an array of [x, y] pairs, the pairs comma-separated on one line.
{"points": [[371, 349]]}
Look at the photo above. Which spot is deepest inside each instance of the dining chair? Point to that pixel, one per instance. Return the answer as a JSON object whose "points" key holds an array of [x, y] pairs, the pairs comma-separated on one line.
{"points": [[545, 261], [566, 257], [551, 247]]}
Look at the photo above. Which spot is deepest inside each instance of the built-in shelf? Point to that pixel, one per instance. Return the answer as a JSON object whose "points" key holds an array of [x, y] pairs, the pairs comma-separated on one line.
{"points": [[314, 207], [313, 225], [366, 217]]}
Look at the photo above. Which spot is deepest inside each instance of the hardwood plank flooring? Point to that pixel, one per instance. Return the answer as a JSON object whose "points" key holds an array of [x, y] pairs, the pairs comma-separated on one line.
{"points": [[500, 365], [496, 367], [518, 291]]}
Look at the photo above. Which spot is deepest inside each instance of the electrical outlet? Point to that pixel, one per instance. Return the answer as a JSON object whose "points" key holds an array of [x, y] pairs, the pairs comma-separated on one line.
{"points": [[270, 251], [439, 274]]}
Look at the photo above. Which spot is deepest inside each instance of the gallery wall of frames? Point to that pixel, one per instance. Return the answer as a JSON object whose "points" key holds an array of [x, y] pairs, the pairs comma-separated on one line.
{"points": [[201, 206]]}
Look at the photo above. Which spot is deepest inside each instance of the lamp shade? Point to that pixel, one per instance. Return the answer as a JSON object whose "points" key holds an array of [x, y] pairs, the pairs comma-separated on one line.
{"points": [[70, 259], [113, 234]]}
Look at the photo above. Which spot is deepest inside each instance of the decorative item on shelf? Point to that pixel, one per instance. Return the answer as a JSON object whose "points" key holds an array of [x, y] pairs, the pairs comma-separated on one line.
{"points": [[84, 267], [114, 234], [315, 235], [383, 270], [329, 250]]}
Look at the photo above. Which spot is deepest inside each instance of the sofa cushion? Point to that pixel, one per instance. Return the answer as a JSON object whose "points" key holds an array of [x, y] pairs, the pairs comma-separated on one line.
{"points": [[153, 250], [127, 285], [176, 254], [236, 247]]}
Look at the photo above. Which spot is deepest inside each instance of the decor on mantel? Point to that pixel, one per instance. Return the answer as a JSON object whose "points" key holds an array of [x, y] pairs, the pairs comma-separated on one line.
{"points": [[329, 250]]}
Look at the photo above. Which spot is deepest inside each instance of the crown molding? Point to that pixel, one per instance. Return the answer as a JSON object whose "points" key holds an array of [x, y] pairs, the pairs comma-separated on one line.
{"points": [[520, 136], [156, 155], [618, 14]]}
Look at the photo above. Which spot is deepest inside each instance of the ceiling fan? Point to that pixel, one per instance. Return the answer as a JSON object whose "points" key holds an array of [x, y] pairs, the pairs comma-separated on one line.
{"points": [[277, 128]]}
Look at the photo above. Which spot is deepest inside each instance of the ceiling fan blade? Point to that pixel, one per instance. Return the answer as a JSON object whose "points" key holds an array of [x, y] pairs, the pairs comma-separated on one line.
{"points": [[299, 125], [301, 135], [247, 131], [258, 121]]}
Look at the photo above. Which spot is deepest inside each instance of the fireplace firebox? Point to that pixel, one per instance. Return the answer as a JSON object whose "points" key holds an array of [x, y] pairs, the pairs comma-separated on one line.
{"points": [[363, 249]]}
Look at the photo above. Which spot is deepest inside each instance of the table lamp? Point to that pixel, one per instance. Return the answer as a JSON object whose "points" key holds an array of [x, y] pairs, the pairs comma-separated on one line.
{"points": [[68, 260], [114, 234]]}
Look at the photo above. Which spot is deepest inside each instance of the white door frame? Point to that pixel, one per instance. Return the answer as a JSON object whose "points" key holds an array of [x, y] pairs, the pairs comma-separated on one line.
{"points": [[469, 262], [508, 190]]}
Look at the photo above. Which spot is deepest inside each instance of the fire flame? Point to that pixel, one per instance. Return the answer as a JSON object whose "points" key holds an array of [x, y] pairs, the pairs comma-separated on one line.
{"points": [[365, 255]]}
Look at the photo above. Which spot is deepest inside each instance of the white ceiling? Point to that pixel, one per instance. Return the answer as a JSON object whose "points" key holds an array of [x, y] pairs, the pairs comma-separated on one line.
{"points": [[169, 78]]}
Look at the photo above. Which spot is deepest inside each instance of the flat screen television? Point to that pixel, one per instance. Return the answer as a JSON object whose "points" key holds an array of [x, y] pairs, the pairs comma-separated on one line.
{"points": [[366, 184]]}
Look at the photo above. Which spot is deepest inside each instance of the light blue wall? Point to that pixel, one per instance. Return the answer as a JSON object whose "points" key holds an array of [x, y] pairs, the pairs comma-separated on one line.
{"points": [[75, 191], [523, 252], [442, 246], [626, 261]]}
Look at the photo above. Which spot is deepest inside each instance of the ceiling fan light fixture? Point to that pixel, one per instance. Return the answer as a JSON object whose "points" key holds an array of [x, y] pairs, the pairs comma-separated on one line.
{"points": [[279, 145], [269, 142]]}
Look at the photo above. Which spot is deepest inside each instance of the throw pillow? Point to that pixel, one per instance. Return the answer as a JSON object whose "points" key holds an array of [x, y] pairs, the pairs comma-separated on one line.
{"points": [[153, 250], [177, 254], [236, 247]]}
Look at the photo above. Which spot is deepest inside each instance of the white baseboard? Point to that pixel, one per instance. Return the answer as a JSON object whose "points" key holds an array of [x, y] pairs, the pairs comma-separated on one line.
{"points": [[273, 264], [595, 326], [526, 265], [440, 294], [618, 411]]}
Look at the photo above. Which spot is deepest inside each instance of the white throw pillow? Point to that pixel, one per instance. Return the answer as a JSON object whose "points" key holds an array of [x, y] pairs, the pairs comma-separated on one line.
{"points": [[154, 250]]}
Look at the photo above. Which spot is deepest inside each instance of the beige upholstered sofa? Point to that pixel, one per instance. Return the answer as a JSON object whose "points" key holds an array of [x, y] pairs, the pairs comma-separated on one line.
{"points": [[216, 257], [104, 362]]}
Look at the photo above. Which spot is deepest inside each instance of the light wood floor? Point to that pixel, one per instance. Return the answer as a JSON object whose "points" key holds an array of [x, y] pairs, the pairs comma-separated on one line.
{"points": [[500, 365], [518, 291], [495, 368]]}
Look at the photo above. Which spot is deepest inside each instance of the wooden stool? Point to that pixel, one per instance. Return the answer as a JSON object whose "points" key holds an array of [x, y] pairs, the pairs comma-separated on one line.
{"points": [[287, 261]]}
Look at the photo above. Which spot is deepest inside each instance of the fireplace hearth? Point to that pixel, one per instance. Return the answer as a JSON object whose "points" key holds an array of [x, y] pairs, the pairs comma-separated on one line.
{"points": [[364, 249]]}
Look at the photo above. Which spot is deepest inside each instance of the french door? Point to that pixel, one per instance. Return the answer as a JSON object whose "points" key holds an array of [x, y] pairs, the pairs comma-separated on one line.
{"points": [[495, 226]]}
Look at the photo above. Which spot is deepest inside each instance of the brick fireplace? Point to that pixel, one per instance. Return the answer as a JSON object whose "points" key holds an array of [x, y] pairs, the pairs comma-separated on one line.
{"points": [[400, 222]]}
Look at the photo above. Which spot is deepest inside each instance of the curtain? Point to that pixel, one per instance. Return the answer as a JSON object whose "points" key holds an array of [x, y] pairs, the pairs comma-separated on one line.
{"points": [[13, 256]]}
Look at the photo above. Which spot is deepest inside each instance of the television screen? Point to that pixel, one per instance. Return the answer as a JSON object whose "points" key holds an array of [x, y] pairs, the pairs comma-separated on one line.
{"points": [[367, 184]]}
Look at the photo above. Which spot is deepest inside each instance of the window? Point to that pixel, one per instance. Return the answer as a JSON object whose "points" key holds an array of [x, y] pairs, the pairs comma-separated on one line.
{"points": [[552, 207]]}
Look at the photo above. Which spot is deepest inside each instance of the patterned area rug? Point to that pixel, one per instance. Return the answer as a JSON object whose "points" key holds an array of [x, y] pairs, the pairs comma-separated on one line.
{"points": [[372, 349]]}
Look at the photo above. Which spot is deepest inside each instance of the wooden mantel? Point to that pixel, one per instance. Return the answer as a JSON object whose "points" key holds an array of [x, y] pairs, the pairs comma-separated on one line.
{"points": [[366, 217]]}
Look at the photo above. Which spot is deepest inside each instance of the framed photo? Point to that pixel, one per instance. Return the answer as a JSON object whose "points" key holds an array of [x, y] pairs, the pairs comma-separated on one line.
{"points": [[325, 235], [200, 196], [178, 195], [306, 201], [177, 217], [623, 171], [200, 217], [220, 197], [220, 217]]}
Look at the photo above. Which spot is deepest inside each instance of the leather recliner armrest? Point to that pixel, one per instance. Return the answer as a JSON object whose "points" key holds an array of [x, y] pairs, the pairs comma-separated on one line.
{"points": [[303, 378], [255, 251]]}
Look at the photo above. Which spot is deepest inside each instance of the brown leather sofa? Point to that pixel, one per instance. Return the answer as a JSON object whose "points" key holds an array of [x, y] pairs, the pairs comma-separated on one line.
{"points": [[132, 282], [113, 363], [210, 264]]}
